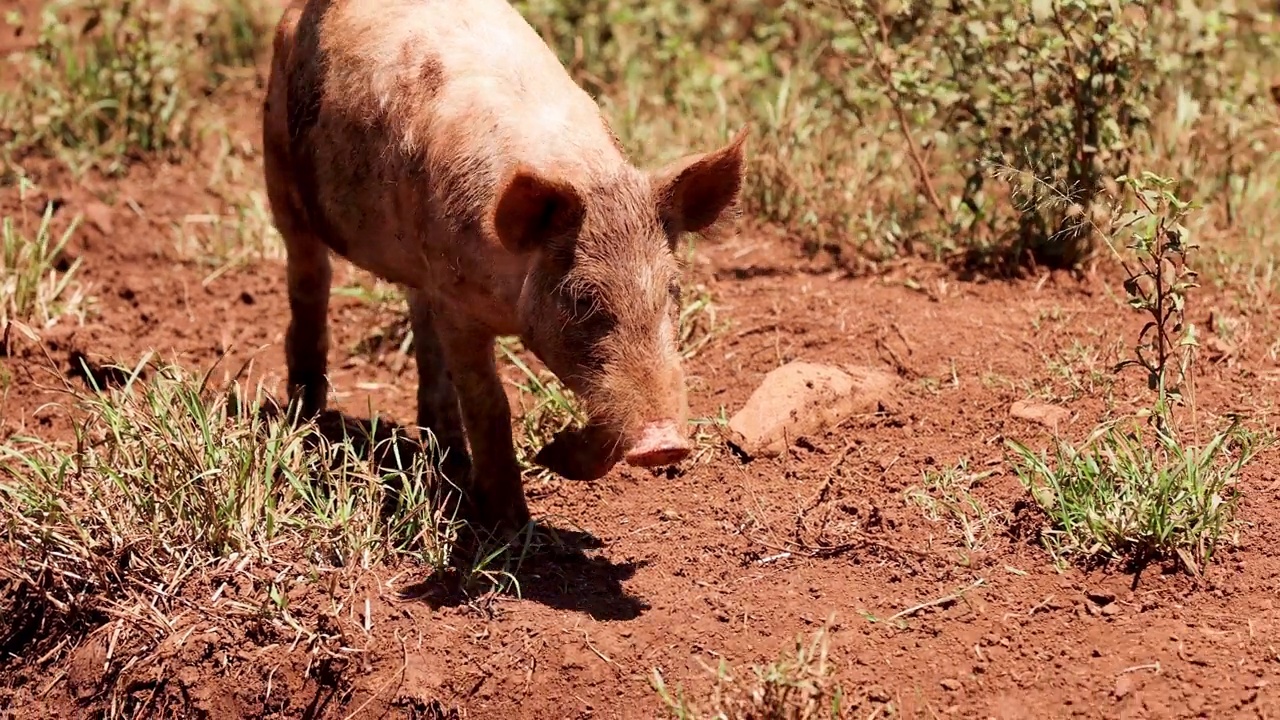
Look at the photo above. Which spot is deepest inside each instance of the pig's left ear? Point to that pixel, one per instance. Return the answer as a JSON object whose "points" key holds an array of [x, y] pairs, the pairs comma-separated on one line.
{"points": [[532, 208], [699, 193]]}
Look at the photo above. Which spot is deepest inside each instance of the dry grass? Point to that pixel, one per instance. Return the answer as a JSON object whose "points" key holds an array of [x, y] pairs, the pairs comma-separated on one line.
{"points": [[799, 685], [38, 283]]}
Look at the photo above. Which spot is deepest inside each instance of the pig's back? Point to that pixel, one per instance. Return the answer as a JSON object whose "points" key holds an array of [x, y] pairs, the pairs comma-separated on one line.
{"points": [[462, 81]]}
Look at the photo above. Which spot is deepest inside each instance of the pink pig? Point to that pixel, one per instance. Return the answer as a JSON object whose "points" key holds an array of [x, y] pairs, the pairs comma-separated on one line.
{"points": [[441, 145]]}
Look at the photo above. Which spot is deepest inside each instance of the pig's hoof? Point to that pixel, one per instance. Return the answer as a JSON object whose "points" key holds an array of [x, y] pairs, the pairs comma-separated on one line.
{"points": [[659, 444]]}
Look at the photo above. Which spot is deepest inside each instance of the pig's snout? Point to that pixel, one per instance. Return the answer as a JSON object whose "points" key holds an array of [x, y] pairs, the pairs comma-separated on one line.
{"points": [[658, 444]]}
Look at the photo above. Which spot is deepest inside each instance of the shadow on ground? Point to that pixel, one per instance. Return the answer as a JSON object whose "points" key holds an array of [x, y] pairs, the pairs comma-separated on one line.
{"points": [[542, 563]]}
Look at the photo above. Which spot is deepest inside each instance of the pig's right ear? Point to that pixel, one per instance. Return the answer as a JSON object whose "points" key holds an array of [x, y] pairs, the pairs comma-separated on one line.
{"points": [[532, 208]]}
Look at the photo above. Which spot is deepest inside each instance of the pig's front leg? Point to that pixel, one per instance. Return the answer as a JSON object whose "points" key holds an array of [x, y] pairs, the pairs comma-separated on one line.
{"points": [[497, 492], [437, 398]]}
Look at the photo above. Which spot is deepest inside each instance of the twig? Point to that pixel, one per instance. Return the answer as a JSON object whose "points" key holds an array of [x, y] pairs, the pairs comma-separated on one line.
{"points": [[886, 77], [386, 683], [944, 600]]}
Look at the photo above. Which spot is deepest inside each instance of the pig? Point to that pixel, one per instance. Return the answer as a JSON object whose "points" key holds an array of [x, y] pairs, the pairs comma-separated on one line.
{"points": [[442, 146]]}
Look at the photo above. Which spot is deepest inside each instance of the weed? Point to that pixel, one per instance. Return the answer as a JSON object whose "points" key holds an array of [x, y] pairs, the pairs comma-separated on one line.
{"points": [[797, 686], [238, 229], [946, 496], [698, 323], [1081, 369], [1122, 493], [37, 283]]}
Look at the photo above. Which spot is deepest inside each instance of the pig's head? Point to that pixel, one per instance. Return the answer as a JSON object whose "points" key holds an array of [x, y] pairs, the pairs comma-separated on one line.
{"points": [[600, 304]]}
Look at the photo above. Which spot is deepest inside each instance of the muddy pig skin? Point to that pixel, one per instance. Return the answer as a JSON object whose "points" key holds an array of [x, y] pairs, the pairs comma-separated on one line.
{"points": [[441, 145]]}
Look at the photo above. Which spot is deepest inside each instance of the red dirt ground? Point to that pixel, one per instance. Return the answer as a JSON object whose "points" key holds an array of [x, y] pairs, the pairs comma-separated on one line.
{"points": [[686, 571]]}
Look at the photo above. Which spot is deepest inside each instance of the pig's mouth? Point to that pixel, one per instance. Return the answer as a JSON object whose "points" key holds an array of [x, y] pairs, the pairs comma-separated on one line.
{"points": [[588, 453]]}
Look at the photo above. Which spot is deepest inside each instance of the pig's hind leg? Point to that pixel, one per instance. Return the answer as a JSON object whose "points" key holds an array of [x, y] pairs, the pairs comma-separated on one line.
{"points": [[437, 398]]}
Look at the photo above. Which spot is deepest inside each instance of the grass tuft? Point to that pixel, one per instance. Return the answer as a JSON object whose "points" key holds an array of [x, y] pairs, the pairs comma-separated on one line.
{"points": [[1121, 495], [167, 478], [37, 283], [947, 496], [799, 685], [110, 83]]}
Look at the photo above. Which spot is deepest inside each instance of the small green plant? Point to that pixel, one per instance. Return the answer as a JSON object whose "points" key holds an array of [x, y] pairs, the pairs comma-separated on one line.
{"points": [[37, 285], [947, 496], [1125, 491], [799, 685], [168, 478]]}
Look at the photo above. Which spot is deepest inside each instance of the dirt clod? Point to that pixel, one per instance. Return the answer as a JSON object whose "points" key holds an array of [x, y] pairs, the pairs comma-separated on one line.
{"points": [[1050, 416], [803, 398]]}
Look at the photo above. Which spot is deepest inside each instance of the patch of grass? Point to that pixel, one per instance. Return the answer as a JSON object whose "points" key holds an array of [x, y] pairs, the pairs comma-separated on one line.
{"points": [[109, 83], [698, 320], [1119, 494], [709, 434], [171, 481], [1080, 369], [947, 496], [1126, 492], [876, 124], [799, 685], [37, 283], [238, 229]]}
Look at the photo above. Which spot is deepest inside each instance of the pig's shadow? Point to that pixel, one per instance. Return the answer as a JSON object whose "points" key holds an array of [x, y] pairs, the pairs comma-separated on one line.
{"points": [[545, 564]]}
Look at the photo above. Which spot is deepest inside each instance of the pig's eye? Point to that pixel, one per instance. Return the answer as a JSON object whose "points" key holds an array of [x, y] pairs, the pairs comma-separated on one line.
{"points": [[584, 306], [674, 289]]}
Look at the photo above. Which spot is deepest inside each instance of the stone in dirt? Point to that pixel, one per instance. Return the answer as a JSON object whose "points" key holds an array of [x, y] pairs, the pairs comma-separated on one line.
{"points": [[99, 216], [801, 398], [1048, 415]]}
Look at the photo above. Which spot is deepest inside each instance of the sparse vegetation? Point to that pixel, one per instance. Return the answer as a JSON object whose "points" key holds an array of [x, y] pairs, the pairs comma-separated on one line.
{"points": [[170, 479], [546, 407], [799, 685], [880, 124], [1119, 493], [947, 496], [38, 283], [109, 83]]}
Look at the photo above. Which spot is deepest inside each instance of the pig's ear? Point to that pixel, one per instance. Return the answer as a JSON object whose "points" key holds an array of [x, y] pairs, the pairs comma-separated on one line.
{"points": [[532, 208], [699, 193]]}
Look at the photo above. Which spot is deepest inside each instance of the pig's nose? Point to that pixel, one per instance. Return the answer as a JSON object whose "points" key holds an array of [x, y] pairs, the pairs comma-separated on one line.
{"points": [[658, 444]]}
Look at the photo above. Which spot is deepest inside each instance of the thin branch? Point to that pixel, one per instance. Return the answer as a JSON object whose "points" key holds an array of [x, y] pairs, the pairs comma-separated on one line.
{"points": [[886, 77]]}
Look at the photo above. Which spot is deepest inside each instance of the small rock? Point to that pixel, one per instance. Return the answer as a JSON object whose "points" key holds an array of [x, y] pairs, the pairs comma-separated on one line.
{"points": [[951, 684], [802, 398], [1101, 597], [99, 216], [878, 695], [1050, 416], [1111, 610]]}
